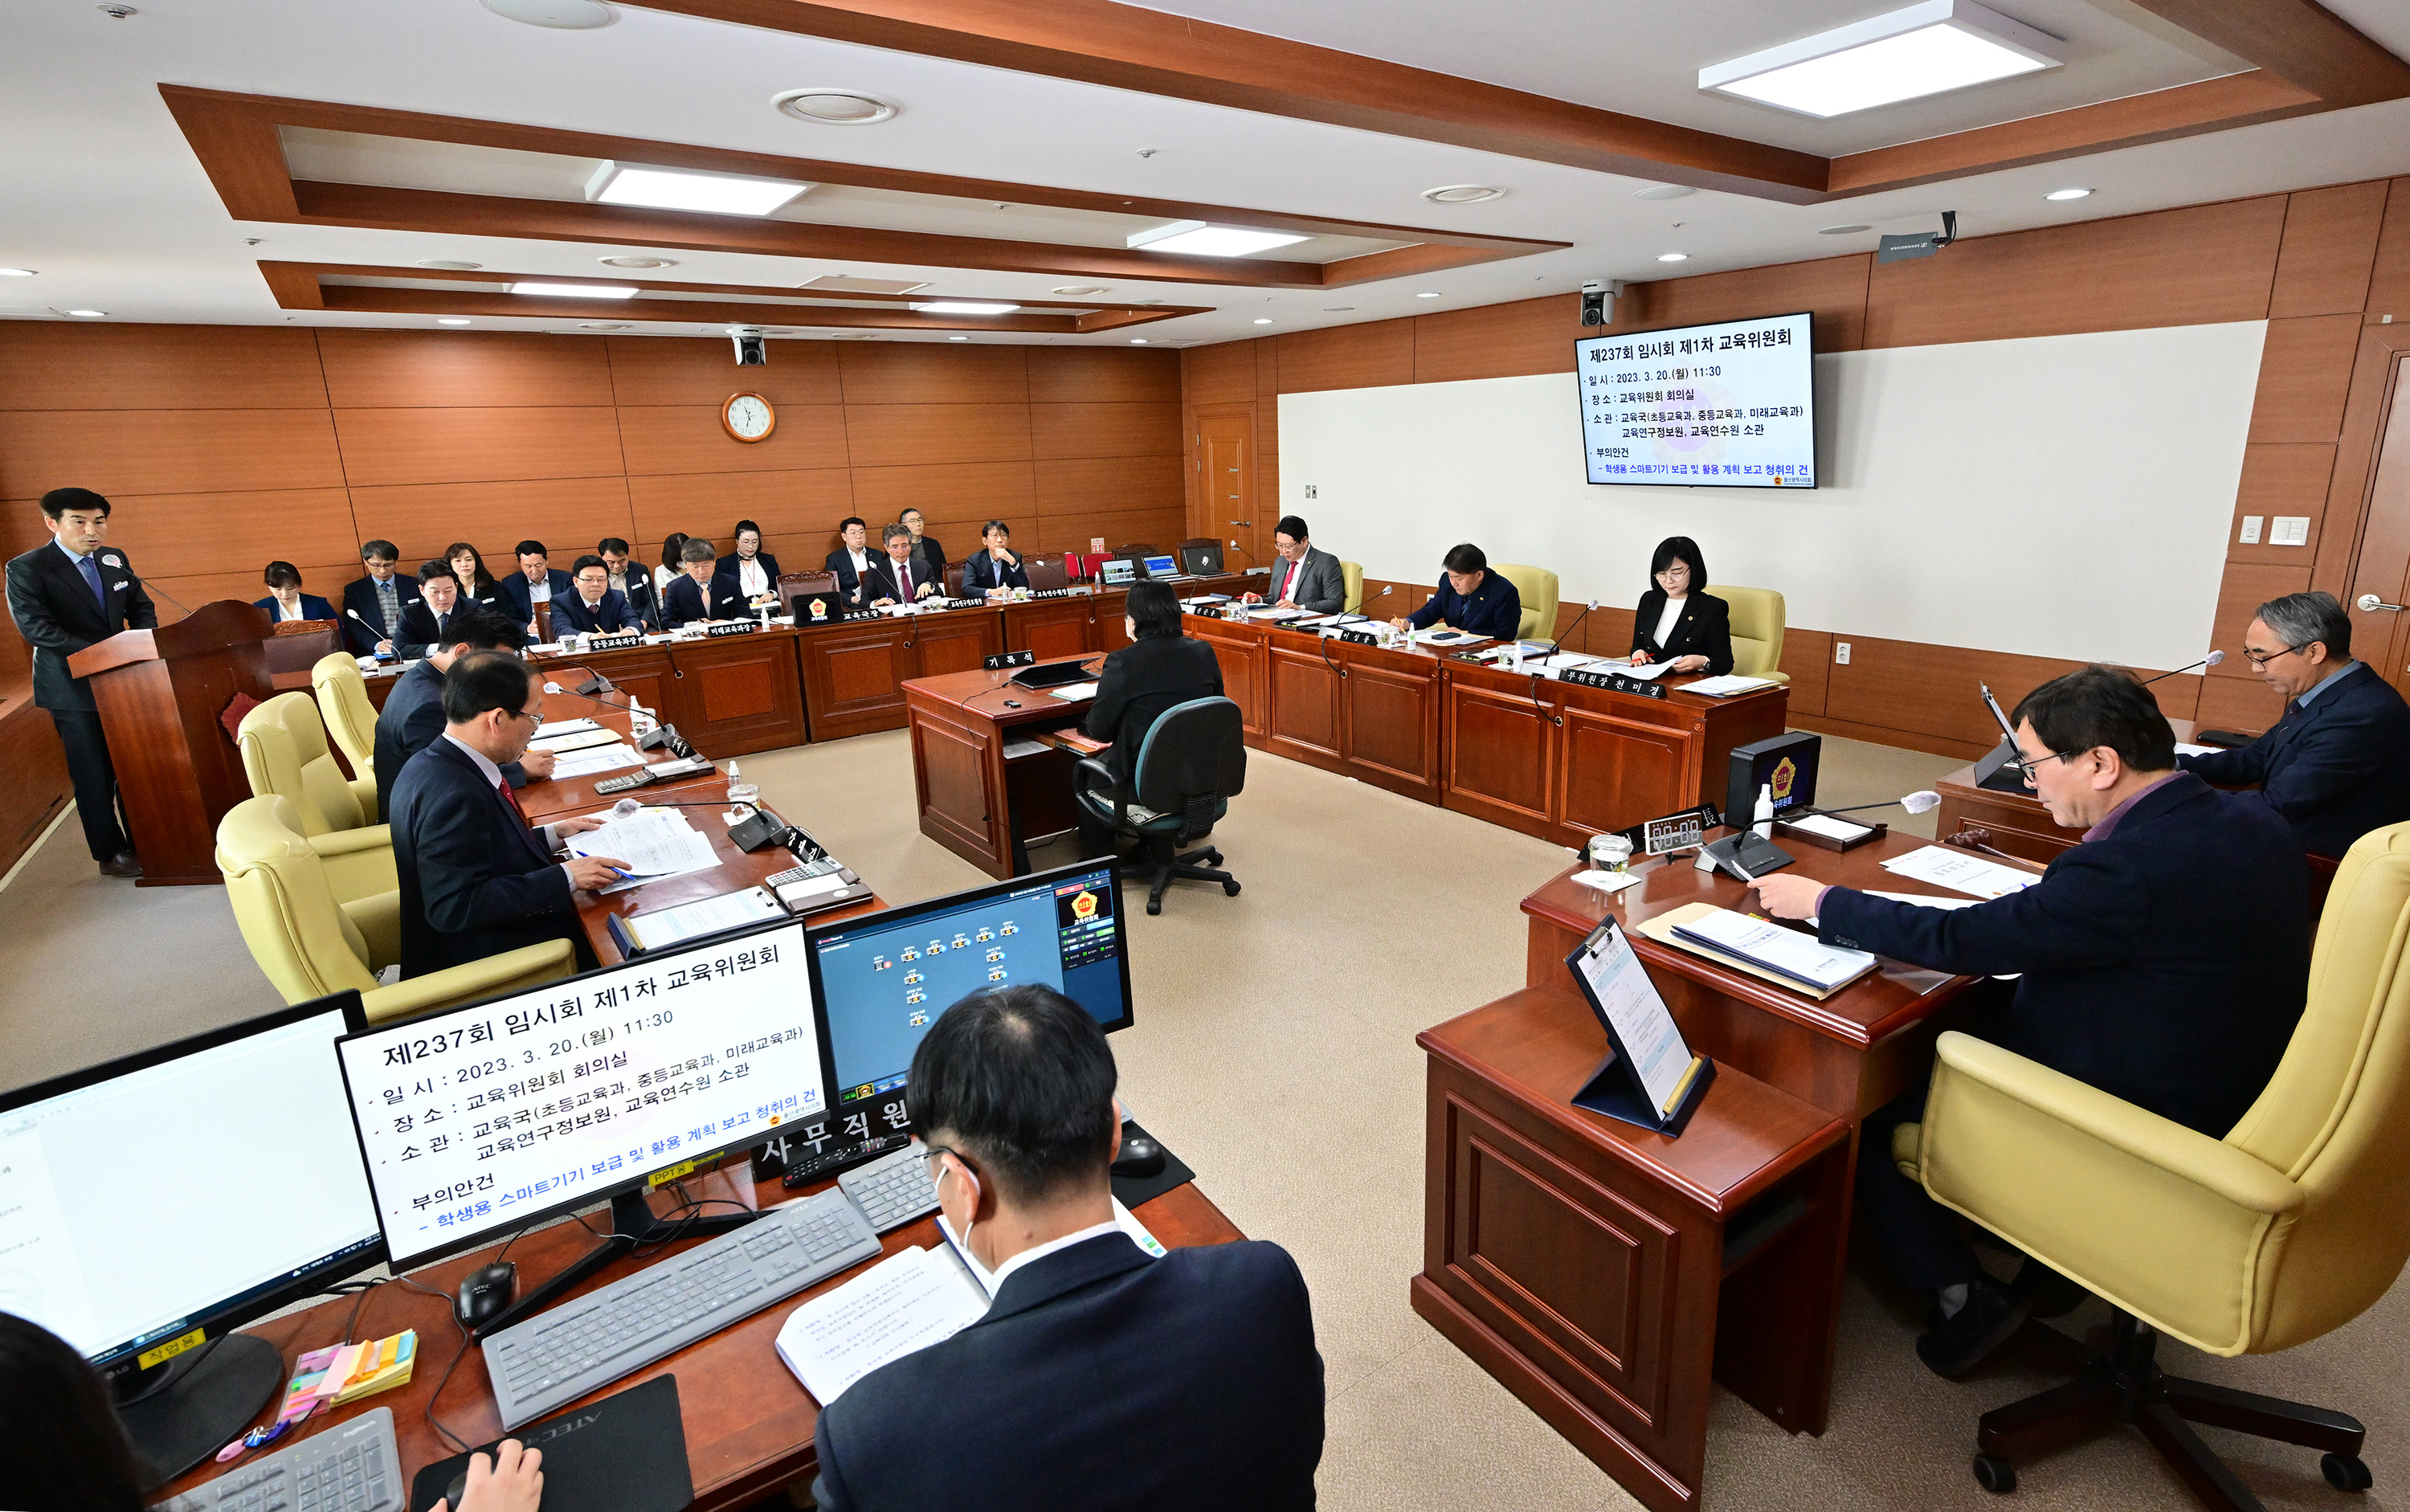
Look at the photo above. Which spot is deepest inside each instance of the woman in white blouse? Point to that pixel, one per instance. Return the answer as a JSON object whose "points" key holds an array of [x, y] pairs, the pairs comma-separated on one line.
{"points": [[671, 568], [1678, 621], [285, 600], [753, 570]]}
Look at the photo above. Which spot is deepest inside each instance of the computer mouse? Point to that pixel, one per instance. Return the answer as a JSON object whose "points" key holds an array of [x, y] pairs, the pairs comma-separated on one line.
{"points": [[487, 1292], [1140, 1157], [459, 1488]]}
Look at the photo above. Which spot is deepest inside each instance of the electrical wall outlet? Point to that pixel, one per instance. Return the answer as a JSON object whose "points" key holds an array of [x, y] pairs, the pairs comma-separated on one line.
{"points": [[1313, 492], [2290, 531], [2250, 536], [1840, 653]]}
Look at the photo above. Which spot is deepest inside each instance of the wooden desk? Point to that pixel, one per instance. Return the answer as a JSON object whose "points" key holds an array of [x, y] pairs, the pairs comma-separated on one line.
{"points": [[1605, 1275], [748, 1422], [971, 797]]}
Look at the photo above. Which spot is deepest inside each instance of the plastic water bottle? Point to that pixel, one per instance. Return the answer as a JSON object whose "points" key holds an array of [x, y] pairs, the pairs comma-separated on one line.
{"points": [[1761, 821], [741, 793]]}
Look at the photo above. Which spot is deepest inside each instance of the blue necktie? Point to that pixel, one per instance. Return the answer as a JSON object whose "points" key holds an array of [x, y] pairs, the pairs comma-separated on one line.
{"points": [[91, 581]]}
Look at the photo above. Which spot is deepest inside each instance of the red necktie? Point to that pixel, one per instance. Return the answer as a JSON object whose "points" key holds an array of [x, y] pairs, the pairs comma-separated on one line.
{"points": [[511, 799], [903, 575], [1288, 582]]}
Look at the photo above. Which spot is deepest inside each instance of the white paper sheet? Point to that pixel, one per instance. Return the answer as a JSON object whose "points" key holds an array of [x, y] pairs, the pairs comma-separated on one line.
{"points": [[1785, 952], [1606, 881], [911, 1300], [593, 760], [2186, 748], [653, 843], [1650, 673], [1960, 872], [705, 916], [564, 727], [1619, 985], [1725, 686], [1926, 900], [1827, 826], [575, 740], [1075, 692]]}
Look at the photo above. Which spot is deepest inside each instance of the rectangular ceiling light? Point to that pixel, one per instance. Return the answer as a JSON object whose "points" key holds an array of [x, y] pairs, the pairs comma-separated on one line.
{"points": [[717, 194], [1926, 49], [579, 291], [1202, 240], [965, 307]]}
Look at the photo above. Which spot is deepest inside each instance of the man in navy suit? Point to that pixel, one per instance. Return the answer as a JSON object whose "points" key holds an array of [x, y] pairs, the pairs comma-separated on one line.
{"points": [[853, 559], [374, 605], [2165, 961], [425, 623], [413, 717], [2338, 764], [477, 878], [629, 579], [700, 594], [75, 593], [593, 606], [899, 576], [537, 582], [1100, 1377], [1470, 598]]}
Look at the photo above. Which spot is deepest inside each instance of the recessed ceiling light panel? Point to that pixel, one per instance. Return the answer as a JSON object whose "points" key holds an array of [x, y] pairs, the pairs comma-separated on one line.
{"points": [[1665, 190], [1137, 341], [86, 315], [449, 264], [1197, 240], [560, 15], [1672, 256], [715, 193], [1074, 291], [639, 262], [1263, 320], [1926, 49], [1851, 230], [836, 107], [578, 291], [451, 320], [2068, 194], [1427, 293], [16, 272], [1463, 194], [964, 307]]}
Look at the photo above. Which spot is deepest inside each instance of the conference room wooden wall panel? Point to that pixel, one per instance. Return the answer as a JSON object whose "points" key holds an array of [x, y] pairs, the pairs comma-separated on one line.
{"points": [[2245, 586], [1065, 431], [1224, 373], [2388, 279], [384, 447], [47, 366], [1930, 690], [691, 439], [652, 370], [1808, 658], [378, 370], [2329, 247], [952, 494], [2195, 266], [1102, 376], [918, 372], [1105, 484], [2280, 478], [2305, 376], [2244, 706], [797, 502], [1072, 533], [166, 451], [916, 435], [218, 532], [1833, 289], [326, 580], [37, 786], [567, 515], [1371, 356], [1499, 340]]}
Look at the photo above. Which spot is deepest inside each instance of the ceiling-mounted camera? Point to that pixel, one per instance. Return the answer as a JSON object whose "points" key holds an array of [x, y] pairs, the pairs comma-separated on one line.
{"points": [[1598, 301], [751, 350]]}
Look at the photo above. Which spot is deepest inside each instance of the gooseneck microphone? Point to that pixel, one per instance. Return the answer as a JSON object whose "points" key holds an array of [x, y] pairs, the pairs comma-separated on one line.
{"points": [[2211, 660], [1915, 802], [551, 687], [153, 588]]}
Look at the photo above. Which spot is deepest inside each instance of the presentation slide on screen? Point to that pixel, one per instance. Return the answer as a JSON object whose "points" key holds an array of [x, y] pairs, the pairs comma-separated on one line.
{"points": [[1724, 406]]}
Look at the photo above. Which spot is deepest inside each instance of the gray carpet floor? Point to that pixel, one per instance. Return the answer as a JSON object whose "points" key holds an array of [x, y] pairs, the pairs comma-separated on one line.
{"points": [[1302, 1111]]}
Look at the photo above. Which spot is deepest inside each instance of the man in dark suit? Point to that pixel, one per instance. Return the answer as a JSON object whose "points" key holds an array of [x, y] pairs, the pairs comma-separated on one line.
{"points": [[899, 576], [1100, 1377], [996, 566], [537, 582], [700, 593], [851, 562], [413, 717], [1305, 577], [928, 557], [374, 605], [629, 579], [2164, 961], [74, 592], [477, 878], [2338, 764], [593, 606], [1471, 598], [425, 623]]}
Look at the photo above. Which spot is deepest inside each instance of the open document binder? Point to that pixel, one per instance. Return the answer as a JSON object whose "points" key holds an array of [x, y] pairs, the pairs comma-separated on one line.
{"points": [[1650, 1077]]}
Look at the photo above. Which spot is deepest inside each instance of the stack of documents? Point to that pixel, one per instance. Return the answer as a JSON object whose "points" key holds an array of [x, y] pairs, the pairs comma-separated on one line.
{"points": [[1622, 667], [595, 761], [1725, 686], [1075, 692], [651, 843], [1960, 871], [692, 921], [1785, 952], [564, 727], [593, 734]]}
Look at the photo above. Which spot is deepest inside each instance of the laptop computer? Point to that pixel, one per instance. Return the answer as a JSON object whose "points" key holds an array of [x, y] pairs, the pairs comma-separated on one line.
{"points": [[1120, 572], [1200, 562], [1159, 568]]}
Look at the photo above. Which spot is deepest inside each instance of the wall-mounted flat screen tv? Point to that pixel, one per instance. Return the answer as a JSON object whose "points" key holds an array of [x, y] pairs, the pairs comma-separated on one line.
{"points": [[1728, 405]]}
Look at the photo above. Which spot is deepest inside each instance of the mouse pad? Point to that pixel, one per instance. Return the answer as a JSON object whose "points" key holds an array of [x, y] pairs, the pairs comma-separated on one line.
{"points": [[625, 1453], [1133, 1190]]}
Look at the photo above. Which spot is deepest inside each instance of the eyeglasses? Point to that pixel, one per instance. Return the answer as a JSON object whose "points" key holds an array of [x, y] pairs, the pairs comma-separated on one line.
{"points": [[2025, 764], [522, 714], [2260, 658], [930, 1153]]}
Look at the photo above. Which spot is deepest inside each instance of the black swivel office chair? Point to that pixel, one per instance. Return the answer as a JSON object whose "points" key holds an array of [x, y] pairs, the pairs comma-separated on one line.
{"points": [[1192, 762]]}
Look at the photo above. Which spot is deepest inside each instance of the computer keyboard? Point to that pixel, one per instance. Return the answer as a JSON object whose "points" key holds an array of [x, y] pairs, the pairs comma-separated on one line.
{"points": [[352, 1467], [558, 1356], [891, 1190]]}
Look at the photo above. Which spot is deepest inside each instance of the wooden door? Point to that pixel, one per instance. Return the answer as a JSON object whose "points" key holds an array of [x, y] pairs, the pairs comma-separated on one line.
{"points": [[2384, 567], [1226, 466]]}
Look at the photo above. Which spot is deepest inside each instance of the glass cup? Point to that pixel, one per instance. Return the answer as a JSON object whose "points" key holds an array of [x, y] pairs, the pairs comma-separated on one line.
{"points": [[1610, 852]]}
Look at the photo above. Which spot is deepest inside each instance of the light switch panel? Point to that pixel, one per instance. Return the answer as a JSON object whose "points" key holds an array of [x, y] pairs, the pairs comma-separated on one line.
{"points": [[2250, 536], [2290, 531]]}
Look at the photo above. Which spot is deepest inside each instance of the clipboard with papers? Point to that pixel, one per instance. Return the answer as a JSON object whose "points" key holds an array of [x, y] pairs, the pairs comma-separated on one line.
{"points": [[1650, 1077]]}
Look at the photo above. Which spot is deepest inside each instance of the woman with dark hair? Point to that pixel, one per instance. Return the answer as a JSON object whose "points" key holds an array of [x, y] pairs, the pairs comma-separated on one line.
{"points": [[285, 599], [1678, 621], [60, 1450], [672, 565], [997, 567], [1158, 668], [750, 570], [477, 585]]}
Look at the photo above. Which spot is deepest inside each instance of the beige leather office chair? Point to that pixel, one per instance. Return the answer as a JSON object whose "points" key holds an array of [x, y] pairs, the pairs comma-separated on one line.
{"points": [[1538, 588], [284, 755], [2289, 1227], [350, 718], [310, 944], [1352, 574], [1757, 620]]}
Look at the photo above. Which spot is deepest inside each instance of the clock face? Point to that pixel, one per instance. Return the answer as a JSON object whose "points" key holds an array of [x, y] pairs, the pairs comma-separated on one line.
{"points": [[749, 417]]}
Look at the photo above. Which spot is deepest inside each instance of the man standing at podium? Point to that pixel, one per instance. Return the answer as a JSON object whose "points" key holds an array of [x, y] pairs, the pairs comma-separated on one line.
{"points": [[69, 595]]}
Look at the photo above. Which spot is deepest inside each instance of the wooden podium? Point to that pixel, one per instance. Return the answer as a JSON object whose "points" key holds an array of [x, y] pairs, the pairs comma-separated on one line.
{"points": [[160, 694]]}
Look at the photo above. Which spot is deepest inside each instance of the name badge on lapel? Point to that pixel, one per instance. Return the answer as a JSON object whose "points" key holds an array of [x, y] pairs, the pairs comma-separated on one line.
{"points": [[112, 561]]}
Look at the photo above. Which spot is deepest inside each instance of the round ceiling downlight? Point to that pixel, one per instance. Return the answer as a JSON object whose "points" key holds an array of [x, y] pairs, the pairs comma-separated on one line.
{"points": [[836, 107], [2066, 194], [448, 266], [1665, 190], [639, 262], [560, 15], [1463, 194]]}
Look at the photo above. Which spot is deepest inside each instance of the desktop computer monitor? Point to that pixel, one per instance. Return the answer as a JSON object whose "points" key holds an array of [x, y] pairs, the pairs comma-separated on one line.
{"points": [[881, 980], [153, 1204], [474, 1122]]}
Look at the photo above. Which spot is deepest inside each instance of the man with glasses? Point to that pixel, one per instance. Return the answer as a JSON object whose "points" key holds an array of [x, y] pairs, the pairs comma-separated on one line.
{"points": [[1100, 1377], [477, 878], [2337, 764], [2163, 961]]}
